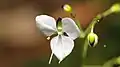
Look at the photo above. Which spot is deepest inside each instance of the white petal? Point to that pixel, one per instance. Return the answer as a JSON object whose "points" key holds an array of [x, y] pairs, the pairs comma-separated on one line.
{"points": [[61, 46], [46, 24], [70, 28]]}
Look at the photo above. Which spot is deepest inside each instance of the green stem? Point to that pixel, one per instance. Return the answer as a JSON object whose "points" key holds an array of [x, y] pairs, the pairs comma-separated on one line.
{"points": [[83, 33], [97, 20], [85, 48], [92, 24]]}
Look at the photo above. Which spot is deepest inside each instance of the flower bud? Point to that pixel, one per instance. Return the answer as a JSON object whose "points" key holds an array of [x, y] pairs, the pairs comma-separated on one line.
{"points": [[118, 60], [115, 8], [92, 39], [67, 8]]}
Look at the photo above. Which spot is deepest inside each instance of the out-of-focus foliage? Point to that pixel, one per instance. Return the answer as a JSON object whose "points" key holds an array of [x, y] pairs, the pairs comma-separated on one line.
{"points": [[114, 62]]}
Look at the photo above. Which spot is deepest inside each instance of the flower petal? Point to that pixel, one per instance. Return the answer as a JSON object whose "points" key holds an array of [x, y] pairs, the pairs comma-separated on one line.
{"points": [[70, 28], [61, 46], [46, 24]]}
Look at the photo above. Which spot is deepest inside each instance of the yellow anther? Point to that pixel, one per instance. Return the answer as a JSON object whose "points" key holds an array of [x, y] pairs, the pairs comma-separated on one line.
{"points": [[48, 38]]}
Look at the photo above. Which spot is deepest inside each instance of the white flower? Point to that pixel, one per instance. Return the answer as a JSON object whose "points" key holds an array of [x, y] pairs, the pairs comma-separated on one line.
{"points": [[61, 45]]}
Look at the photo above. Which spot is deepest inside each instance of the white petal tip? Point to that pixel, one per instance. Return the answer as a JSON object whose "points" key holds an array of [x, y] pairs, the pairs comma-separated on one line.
{"points": [[37, 17], [50, 58], [49, 63], [40, 16], [59, 62]]}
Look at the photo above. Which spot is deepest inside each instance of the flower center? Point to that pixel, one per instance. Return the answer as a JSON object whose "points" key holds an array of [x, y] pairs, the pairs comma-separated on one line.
{"points": [[59, 26]]}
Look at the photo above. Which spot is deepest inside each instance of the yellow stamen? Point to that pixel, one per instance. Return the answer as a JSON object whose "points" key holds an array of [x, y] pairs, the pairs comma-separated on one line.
{"points": [[48, 38]]}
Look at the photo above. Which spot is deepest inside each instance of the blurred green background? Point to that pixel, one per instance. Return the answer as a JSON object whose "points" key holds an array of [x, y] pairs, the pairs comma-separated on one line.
{"points": [[23, 45]]}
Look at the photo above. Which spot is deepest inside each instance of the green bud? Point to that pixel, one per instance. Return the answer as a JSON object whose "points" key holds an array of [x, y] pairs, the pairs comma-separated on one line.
{"points": [[118, 60], [92, 39], [67, 8], [115, 8]]}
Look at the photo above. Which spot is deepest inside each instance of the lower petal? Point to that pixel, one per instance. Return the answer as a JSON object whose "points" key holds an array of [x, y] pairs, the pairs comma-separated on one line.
{"points": [[61, 46]]}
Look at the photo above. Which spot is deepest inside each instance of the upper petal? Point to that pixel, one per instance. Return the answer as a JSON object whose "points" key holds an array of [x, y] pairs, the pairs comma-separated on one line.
{"points": [[61, 46], [70, 28], [46, 24]]}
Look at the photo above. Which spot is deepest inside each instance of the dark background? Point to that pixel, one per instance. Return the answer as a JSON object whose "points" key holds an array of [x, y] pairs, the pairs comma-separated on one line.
{"points": [[23, 45]]}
